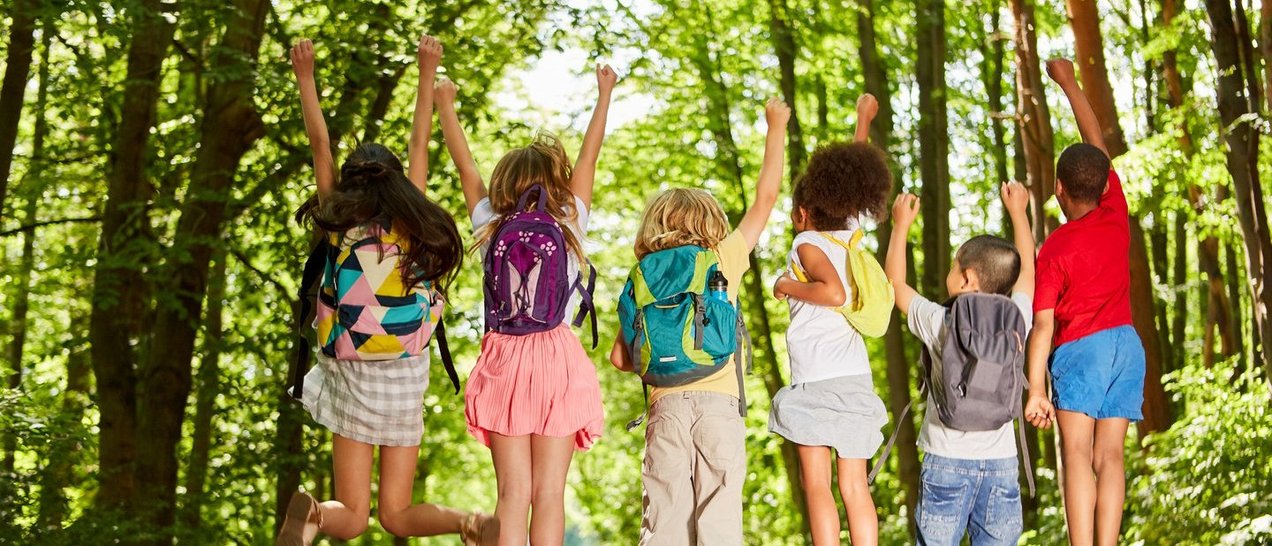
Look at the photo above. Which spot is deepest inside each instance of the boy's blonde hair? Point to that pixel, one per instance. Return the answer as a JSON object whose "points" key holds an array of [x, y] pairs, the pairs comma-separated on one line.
{"points": [[679, 217], [542, 162]]}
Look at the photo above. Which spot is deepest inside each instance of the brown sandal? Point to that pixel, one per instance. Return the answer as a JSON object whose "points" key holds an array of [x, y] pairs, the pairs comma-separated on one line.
{"points": [[302, 521], [479, 529]]}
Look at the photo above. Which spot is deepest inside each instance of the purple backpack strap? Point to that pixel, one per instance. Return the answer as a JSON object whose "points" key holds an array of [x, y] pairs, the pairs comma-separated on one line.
{"points": [[525, 198], [585, 302]]}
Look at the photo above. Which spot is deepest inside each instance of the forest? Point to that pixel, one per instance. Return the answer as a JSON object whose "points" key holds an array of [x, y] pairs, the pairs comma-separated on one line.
{"points": [[153, 155]]}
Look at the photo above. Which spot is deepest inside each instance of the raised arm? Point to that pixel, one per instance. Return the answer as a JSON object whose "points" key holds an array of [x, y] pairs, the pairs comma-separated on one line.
{"points": [[1016, 201], [585, 166], [430, 56], [1061, 72], [904, 210], [867, 109], [457, 144], [302, 59], [776, 113]]}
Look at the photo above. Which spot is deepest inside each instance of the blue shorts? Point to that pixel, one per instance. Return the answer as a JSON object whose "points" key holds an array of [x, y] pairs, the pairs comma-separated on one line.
{"points": [[1100, 374]]}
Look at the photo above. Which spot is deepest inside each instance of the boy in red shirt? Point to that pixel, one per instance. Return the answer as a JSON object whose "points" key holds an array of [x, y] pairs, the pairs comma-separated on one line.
{"points": [[1082, 308]]}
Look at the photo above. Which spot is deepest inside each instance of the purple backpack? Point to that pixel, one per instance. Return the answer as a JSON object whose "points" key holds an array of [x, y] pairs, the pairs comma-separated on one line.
{"points": [[527, 273]]}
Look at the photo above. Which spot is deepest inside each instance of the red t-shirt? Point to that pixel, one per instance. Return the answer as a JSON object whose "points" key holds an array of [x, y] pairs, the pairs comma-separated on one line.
{"points": [[1084, 270]]}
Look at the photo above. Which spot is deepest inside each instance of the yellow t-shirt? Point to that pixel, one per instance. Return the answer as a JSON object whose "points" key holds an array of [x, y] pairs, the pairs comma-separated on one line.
{"points": [[733, 253]]}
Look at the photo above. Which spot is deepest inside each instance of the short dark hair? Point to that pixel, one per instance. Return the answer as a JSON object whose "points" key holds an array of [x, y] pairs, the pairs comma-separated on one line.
{"points": [[1084, 171], [995, 261], [844, 180]]}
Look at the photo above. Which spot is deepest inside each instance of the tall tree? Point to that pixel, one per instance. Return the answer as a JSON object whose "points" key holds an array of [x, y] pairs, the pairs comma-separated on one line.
{"points": [[1084, 17], [1033, 118], [898, 370], [122, 253], [1236, 102], [209, 386], [229, 128], [934, 143], [17, 69], [787, 51]]}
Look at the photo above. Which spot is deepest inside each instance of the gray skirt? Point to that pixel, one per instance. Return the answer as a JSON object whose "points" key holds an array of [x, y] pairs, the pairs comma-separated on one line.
{"points": [[842, 412], [377, 402]]}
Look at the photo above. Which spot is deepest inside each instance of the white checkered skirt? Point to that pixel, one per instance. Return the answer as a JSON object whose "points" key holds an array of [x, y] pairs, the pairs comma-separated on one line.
{"points": [[375, 402]]}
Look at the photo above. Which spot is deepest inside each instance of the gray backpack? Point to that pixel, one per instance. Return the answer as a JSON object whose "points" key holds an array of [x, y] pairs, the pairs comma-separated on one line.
{"points": [[977, 383]]}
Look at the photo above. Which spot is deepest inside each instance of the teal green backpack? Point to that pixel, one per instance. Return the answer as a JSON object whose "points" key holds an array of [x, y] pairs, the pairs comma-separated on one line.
{"points": [[675, 327]]}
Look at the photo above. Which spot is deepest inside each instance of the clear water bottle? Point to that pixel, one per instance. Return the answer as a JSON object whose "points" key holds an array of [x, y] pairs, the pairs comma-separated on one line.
{"points": [[718, 287]]}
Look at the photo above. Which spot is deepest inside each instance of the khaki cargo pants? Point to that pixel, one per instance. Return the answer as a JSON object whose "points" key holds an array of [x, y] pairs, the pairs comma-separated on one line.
{"points": [[695, 464]]}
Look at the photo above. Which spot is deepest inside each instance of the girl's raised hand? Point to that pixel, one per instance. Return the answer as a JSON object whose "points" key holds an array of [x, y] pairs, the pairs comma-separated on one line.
{"points": [[1015, 197], [904, 211], [302, 59], [606, 77], [444, 92], [429, 52], [776, 112], [867, 106]]}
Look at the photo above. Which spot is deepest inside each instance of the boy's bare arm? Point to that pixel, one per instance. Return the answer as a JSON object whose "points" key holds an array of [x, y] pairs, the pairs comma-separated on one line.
{"points": [[823, 287], [776, 113], [1038, 409], [904, 210], [1061, 72], [618, 354], [1016, 201], [457, 144], [867, 109]]}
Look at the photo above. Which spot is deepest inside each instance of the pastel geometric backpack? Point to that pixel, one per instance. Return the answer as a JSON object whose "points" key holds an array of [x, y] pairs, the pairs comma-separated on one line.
{"points": [[527, 273], [364, 312]]}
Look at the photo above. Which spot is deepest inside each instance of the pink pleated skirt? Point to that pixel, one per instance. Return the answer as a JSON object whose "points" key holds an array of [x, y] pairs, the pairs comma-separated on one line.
{"points": [[542, 383]]}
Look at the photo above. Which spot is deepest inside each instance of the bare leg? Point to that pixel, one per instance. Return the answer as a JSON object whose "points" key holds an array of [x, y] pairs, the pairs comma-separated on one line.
{"points": [[814, 475], [511, 455], [550, 457], [863, 521], [398, 516], [1079, 477], [1110, 479], [346, 517]]}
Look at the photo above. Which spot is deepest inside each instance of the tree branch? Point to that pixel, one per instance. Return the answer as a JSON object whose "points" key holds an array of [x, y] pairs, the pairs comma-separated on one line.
{"points": [[33, 226]]}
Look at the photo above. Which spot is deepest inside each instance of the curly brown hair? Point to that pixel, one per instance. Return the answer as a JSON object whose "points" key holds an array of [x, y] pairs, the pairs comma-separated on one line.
{"points": [[844, 180]]}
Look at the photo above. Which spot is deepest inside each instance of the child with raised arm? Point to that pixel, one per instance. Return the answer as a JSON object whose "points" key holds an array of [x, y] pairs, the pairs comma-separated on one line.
{"points": [[695, 438], [970, 481], [533, 396], [831, 402], [375, 203], [1083, 329]]}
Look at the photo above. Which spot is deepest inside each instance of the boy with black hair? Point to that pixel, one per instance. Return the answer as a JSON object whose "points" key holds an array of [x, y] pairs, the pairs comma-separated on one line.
{"points": [[1083, 329], [970, 481]]}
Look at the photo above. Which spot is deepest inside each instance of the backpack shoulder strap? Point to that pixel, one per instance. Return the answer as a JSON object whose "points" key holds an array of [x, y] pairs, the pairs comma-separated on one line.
{"points": [[525, 198], [892, 440], [444, 348], [316, 265], [586, 305]]}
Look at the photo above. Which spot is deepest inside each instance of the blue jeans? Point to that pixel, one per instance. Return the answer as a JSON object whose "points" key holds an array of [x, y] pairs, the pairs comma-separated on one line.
{"points": [[978, 496]]}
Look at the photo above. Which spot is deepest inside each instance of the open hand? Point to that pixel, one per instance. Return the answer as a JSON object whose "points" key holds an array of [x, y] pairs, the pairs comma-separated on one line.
{"points": [[867, 107], [1061, 71], [302, 59], [778, 286], [1039, 411], [429, 52], [606, 77], [444, 92], [904, 211], [1015, 197], [777, 113]]}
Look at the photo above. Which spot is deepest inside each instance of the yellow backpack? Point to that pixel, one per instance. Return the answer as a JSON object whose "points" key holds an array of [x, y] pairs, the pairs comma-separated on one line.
{"points": [[870, 308]]}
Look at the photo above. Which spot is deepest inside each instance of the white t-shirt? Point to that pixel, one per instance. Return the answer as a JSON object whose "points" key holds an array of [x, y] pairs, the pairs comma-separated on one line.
{"points": [[926, 320], [484, 214], [820, 342]]}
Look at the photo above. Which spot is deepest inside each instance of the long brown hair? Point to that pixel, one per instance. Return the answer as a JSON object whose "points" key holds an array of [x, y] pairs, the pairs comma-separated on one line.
{"points": [[373, 189], [543, 162]]}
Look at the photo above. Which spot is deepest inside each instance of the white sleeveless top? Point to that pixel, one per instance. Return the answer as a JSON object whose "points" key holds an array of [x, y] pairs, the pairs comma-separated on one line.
{"points": [[820, 342]]}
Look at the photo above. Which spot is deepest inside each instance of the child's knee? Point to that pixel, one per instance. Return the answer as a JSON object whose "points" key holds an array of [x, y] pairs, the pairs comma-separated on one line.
{"points": [[394, 523], [854, 489], [545, 493], [515, 493], [1107, 457], [354, 531]]}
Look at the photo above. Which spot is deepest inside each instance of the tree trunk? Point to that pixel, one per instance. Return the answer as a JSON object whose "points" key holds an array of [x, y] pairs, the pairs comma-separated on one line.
{"points": [[1160, 259], [209, 386], [65, 452], [1090, 51], [1242, 140], [1033, 117], [898, 369], [1265, 41], [1088, 45], [1179, 287], [122, 253], [933, 146], [730, 166], [993, 73], [787, 52], [17, 69], [1235, 289], [230, 127]]}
